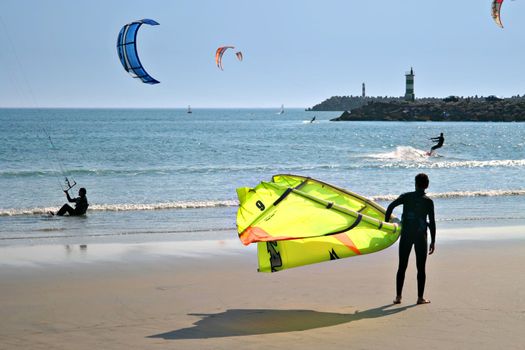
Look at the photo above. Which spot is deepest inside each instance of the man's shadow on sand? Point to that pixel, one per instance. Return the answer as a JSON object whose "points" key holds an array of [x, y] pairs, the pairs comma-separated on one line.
{"points": [[240, 322]]}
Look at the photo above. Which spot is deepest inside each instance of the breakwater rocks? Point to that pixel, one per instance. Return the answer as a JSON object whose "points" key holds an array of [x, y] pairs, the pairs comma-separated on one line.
{"points": [[497, 110]]}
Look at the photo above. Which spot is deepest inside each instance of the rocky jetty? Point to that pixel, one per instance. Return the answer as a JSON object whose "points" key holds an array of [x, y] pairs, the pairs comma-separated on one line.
{"points": [[346, 103], [490, 109]]}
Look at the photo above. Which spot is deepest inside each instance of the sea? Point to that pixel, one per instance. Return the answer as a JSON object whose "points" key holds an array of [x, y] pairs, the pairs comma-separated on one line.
{"points": [[166, 175]]}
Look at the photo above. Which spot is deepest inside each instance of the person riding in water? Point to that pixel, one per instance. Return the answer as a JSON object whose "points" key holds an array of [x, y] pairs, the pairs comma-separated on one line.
{"points": [[81, 204], [440, 140]]}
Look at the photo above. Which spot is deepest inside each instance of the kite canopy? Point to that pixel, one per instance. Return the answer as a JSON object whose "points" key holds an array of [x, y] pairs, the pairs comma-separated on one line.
{"points": [[496, 9], [239, 56], [127, 50], [221, 50], [297, 221]]}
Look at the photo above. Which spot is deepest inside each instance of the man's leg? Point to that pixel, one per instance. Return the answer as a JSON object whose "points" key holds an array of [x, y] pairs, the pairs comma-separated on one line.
{"points": [[435, 147], [66, 209], [421, 248], [405, 246]]}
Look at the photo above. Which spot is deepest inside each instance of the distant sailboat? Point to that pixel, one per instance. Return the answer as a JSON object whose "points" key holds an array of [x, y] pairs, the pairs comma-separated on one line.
{"points": [[282, 110], [189, 109]]}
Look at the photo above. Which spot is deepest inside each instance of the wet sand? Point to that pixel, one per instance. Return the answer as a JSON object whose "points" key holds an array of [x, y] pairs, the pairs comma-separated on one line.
{"points": [[208, 295]]}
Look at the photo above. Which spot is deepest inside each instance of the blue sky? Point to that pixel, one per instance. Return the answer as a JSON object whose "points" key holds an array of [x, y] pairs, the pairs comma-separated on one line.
{"points": [[297, 52]]}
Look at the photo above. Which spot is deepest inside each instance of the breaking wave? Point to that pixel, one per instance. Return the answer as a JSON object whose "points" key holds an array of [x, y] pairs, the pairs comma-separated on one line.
{"points": [[503, 163], [409, 157], [233, 203], [391, 160], [402, 153], [127, 207], [457, 194]]}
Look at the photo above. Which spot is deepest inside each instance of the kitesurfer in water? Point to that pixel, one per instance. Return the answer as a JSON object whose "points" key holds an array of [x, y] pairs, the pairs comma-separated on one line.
{"points": [[313, 120], [81, 204], [416, 208], [440, 140]]}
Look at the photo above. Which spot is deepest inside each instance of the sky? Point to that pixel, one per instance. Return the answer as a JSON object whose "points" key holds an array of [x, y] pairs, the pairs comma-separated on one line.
{"points": [[61, 53]]}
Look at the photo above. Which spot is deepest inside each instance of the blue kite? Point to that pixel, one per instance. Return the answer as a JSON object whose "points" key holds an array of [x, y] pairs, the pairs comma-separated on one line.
{"points": [[127, 50]]}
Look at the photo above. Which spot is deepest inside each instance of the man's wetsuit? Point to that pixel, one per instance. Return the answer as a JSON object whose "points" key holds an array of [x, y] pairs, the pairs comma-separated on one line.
{"points": [[440, 140], [81, 205], [416, 207]]}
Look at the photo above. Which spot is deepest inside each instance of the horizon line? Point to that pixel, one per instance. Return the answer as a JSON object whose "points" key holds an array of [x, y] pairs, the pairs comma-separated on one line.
{"points": [[184, 108]]}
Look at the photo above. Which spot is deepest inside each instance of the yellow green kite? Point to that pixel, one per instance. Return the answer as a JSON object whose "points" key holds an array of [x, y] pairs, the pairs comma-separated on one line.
{"points": [[296, 220]]}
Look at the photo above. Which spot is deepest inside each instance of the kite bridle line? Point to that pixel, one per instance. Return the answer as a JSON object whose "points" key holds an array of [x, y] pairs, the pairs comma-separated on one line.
{"points": [[67, 184]]}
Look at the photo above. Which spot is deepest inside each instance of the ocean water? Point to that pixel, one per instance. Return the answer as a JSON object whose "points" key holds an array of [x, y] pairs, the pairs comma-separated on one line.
{"points": [[169, 175]]}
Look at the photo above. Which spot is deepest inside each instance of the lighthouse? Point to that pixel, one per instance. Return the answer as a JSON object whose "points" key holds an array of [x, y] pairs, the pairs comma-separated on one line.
{"points": [[409, 93], [363, 92]]}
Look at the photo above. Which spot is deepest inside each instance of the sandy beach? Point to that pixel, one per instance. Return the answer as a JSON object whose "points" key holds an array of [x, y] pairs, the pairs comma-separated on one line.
{"points": [[208, 295], [172, 132]]}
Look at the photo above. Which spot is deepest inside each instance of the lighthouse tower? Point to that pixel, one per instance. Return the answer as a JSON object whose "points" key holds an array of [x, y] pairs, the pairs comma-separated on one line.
{"points": [[363, 94], [409, 93]]}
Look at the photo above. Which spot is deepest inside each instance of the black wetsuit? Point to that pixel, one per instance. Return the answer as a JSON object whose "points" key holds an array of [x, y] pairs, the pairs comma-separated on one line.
{"points": [[440, 140], [81, 205], [416, 207]]}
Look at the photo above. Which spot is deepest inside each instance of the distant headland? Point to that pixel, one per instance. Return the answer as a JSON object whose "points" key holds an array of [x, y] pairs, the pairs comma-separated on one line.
{"points": [[452, 108], [410, 108]]}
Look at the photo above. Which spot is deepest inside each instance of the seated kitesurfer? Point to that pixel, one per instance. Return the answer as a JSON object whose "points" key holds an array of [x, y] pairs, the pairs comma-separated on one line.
{"points": [[81, 204], [440, 140], [416, 208]]}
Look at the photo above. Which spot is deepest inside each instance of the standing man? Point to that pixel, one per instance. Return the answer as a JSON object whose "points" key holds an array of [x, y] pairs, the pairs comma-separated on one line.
{"points": [[416, 208], [440, 140], [81, 204]]}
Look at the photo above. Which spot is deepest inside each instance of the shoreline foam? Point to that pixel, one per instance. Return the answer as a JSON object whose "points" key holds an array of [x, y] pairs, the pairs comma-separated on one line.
{"points": [[203, 204]]}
